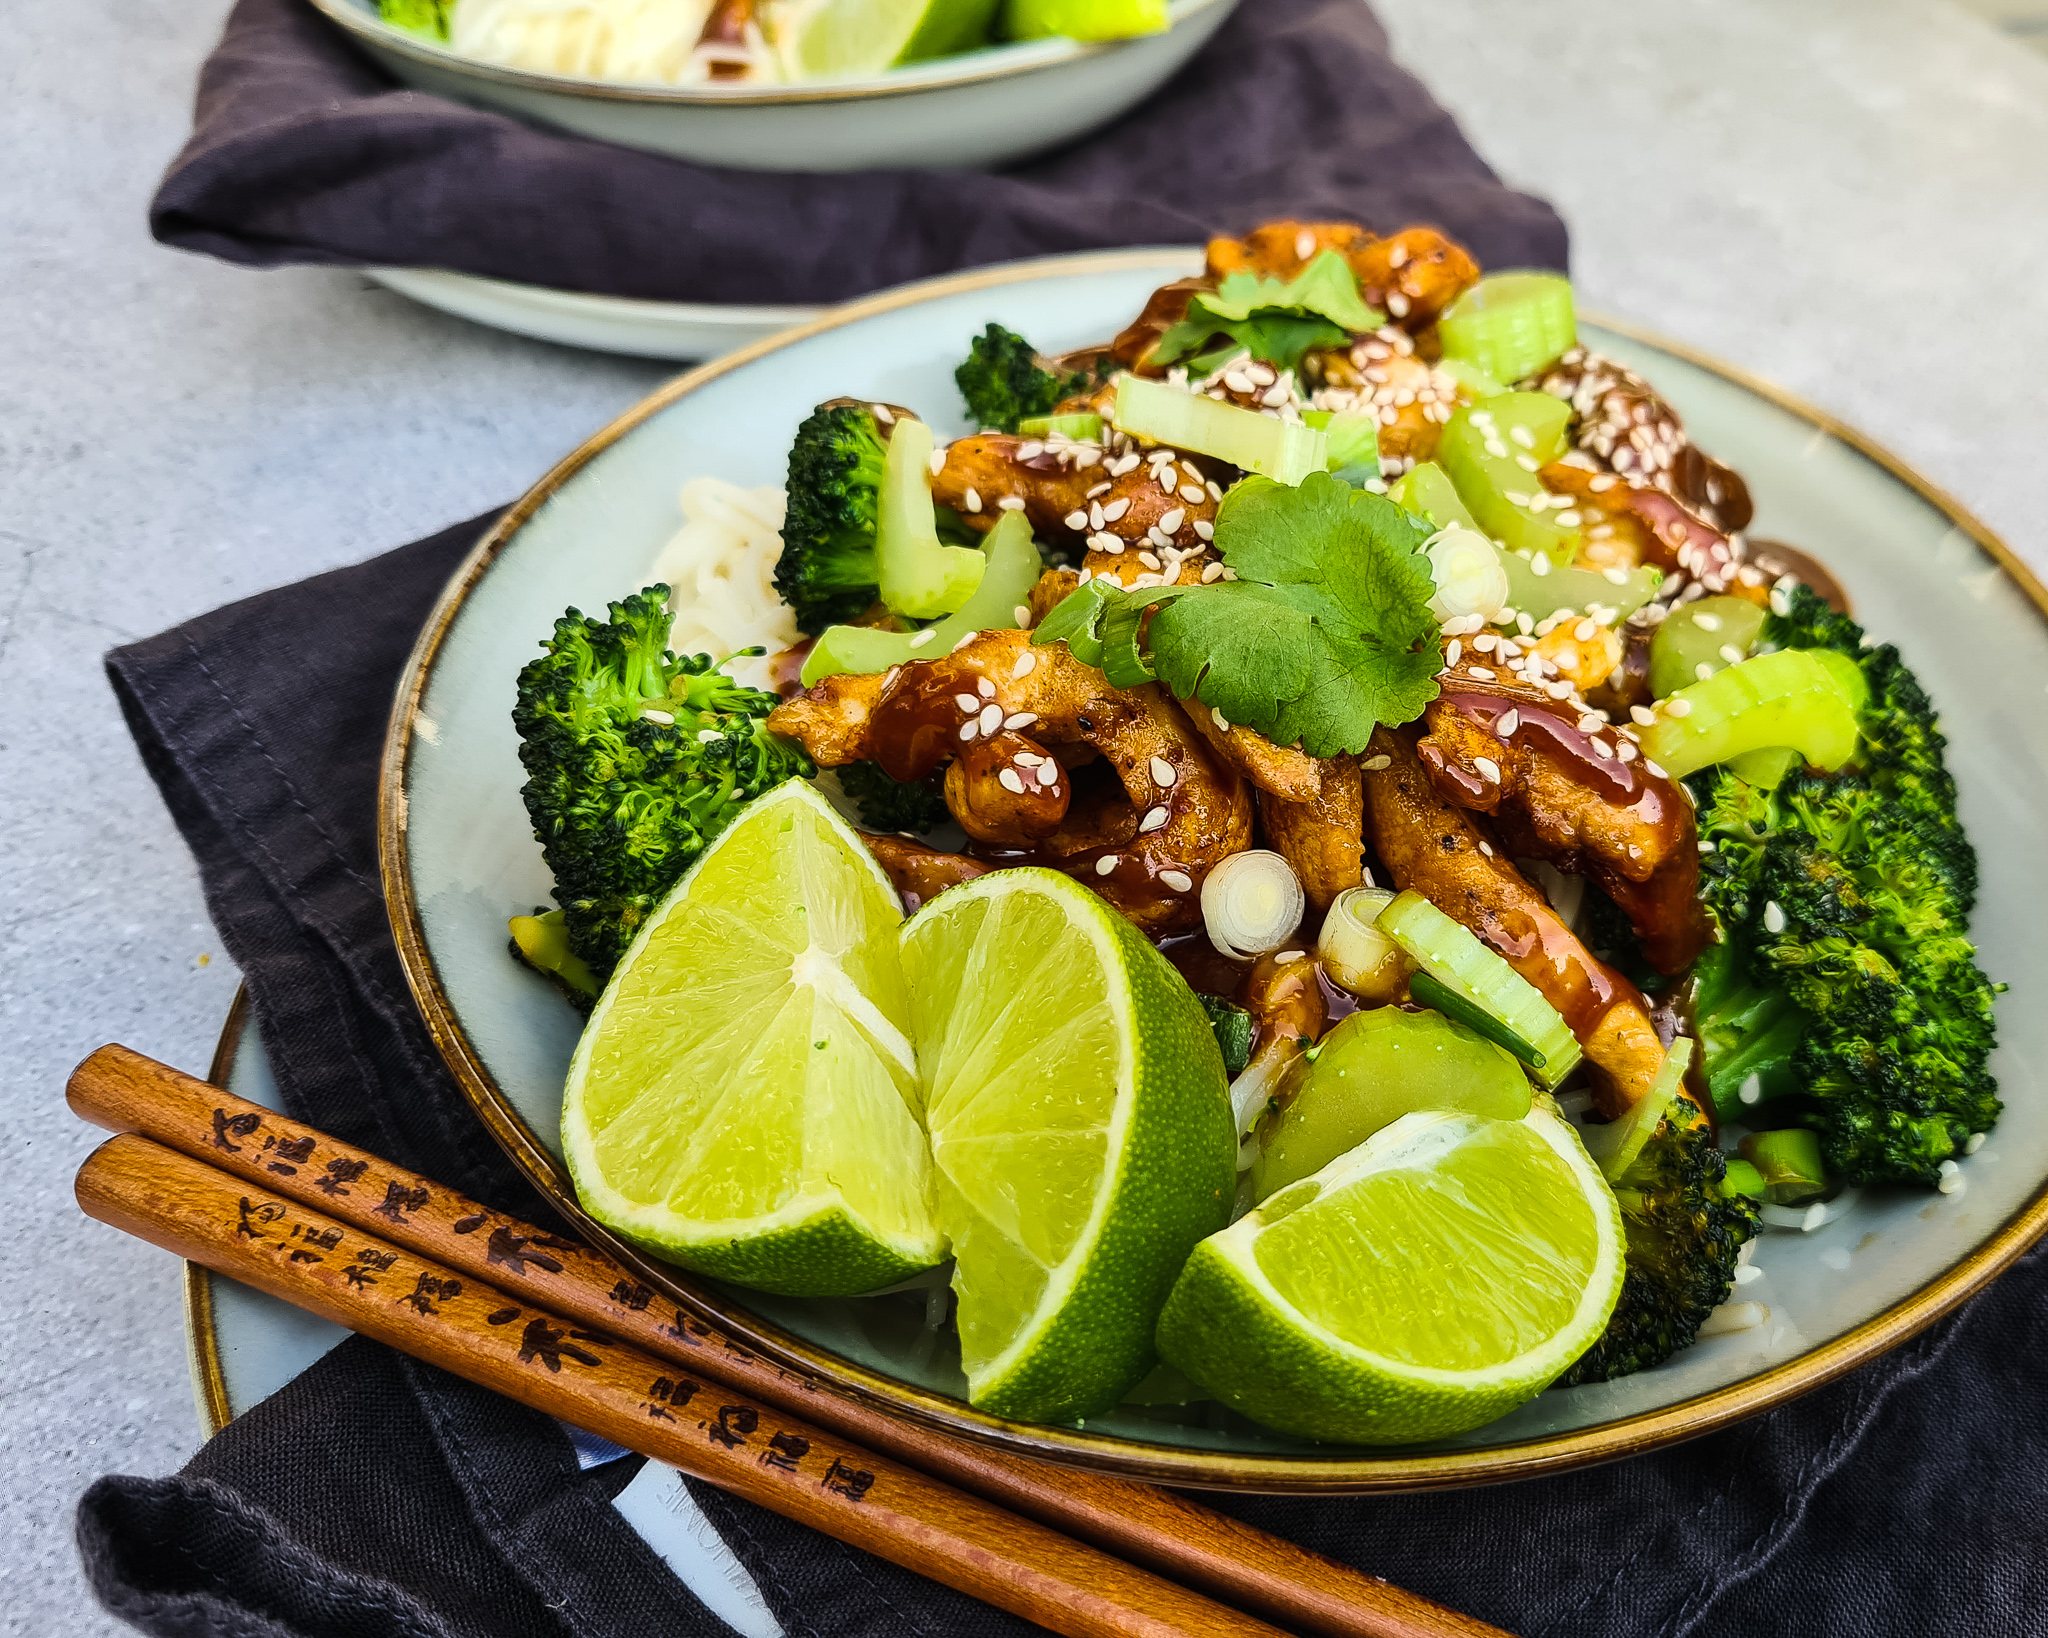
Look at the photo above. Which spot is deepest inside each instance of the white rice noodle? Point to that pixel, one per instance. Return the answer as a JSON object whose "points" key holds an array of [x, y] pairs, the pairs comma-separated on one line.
{"points": [[639, 41], [720, 569], [1805, 1219]]}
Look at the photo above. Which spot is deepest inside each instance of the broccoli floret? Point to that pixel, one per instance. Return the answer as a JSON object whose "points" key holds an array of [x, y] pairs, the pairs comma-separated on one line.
{"points": [[1004, 382], [1847, 988], [1684, 1235], [915, 806], [635, 760], [827, 572], [428, 17]]}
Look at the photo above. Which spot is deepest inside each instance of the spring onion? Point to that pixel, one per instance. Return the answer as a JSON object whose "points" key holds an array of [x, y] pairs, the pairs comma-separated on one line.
{"points": [[1356, 955], [1426, 991], [1470, 577], [1251, 904]]}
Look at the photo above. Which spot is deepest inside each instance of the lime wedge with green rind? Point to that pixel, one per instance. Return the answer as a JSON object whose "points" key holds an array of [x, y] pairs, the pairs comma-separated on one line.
{"points": [[1080, 1132], [852, 39], [744, 1098], [1441, 1273]]}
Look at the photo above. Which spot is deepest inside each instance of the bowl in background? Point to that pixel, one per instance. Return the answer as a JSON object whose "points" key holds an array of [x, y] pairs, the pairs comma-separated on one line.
{"points": [[979, 108]]}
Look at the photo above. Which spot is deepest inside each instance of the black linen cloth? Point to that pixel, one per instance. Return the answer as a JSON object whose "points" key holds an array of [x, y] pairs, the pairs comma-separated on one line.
{"points": [[378, 1496], [304, 151]]}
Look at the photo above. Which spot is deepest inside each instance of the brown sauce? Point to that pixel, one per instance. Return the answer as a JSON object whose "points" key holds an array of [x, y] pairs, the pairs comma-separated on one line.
{"points": [[916, 723], [1775, 558]]}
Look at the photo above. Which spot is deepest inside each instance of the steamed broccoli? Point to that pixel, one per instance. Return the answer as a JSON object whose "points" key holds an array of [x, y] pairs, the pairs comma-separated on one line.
{"points": [[635, 759], [915, 806], [1684, 1235], [1004, 382], [1846, 997], [827, 571]]}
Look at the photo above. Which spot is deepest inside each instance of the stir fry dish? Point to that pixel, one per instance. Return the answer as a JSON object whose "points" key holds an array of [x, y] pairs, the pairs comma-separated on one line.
{"points": [[773, 42], [1370, 889]]}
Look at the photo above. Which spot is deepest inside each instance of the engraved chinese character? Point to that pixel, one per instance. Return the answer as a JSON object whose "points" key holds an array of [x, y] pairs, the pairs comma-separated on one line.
{"points": [[545, 1343], [339, 1172], [296, 1150], [852, 1483], [398, 1200], [327, 1239], [785, 1450], [304, 1256], [381, 1261], [735, 1422], [357, 1278], [632, 1294], [226, 1126], [252, 1214], [514, 1251], [429, 1289], [664, 1391], [471, 1223]]}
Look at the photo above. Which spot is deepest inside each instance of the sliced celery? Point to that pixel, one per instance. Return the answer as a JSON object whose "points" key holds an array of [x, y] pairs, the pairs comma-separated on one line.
{"points": [[1614, 1146], [1354, 444], [1784, 699], [1542, 593], [1689, 645], [1285, 451], [1743, 1178], [1790, 1162], [1426, 991], [1511, 324], [1427, 491], [920, 575], [1847, 673], [1492, 451], [1471, 379], [1765, 769], [1012, 570], [1456, 959], [1083, 426]]}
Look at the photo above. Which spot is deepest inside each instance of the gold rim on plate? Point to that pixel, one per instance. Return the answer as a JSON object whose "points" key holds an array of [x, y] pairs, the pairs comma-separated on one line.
{"points": [[914, 79], [1130, 1458], [202, 1335]]}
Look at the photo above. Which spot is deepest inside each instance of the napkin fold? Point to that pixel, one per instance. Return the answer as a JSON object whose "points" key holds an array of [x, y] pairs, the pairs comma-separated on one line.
{"points": [[304, 151], [379, 1496]]}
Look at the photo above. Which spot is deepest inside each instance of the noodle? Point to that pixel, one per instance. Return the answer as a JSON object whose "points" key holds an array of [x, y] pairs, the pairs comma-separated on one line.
{"points": [[647, 41], [720, 569]]}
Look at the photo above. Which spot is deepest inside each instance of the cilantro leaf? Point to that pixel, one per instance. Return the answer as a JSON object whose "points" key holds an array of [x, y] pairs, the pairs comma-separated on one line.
{"points": [[1277, 319], [1326, 630]]}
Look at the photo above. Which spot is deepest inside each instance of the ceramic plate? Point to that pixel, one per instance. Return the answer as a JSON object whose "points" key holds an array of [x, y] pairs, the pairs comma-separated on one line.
{"points": [[458, 857], [984, 107]]}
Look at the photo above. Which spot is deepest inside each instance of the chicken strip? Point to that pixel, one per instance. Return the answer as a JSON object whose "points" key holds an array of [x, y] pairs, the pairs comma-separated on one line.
{"points": [[1383, 375], [920, 873], [1322, 839], [1284, 771], [1412, 275], [1132, 512], [1145, 848], [1561, 794], [1629, 523], [1440, 851]]}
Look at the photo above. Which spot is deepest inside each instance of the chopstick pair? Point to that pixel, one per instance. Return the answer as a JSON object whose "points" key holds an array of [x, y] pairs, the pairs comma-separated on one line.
{"points": [[555, 1325]]}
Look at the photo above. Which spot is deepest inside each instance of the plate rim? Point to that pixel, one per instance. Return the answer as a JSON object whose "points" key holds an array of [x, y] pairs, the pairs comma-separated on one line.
{"points": [[1685, 1419], [203, 1361], [915, 79]]}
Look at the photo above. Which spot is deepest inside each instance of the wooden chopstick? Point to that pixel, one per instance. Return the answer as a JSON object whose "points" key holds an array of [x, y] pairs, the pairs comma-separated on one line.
{"points": [[126, 1092]]}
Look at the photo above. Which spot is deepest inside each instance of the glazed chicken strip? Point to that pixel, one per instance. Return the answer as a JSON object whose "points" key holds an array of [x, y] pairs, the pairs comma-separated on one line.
{"points": [[1412, 275], [1321, 839], [920, 873], [1279, 770], [1440, 851], [1145, 848], [1557, 793], [1127, 511]]}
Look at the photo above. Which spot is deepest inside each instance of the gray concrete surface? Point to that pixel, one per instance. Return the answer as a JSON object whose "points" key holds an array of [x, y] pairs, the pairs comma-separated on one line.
{"points": [[1848, 196]]}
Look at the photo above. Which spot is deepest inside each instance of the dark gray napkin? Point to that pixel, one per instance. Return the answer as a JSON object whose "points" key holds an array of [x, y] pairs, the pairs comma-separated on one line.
{"points": [[375, 1496], [304, 151]]}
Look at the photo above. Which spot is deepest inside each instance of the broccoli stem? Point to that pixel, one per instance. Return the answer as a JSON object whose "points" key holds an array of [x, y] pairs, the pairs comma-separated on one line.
{"points": [[1789, 1162]]}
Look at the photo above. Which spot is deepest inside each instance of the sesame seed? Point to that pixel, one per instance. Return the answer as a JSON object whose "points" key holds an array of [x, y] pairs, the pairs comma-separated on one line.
{"points": [[1085, 576], [1179, 880], [985, 688], [1592, 722], [1489, 770], [1290, 955], [1626, 750], [973, 499], [1642, 715], [968, 703], [1276, 395], [1731, 654], [1011, 781], [1105, 864], [967, 732], [1452, 650], [1397, 304], [1112, 511], [1528, 464], [1707, 622], [1170, 522], [1076, 520], [1204, 530], [1483, 673], [1558, 690], [1973, 1143], [1030, 451], [1222, 722], [1586, 630], [1027, 663], [1567, 659], [1010, 503], [1376, 764], [938, 462], [1027, 759], [991, 718], [1485, 849], [1237, 381], [1149, 559], [1211, 573], [1048, 772], [1497, 449], [1304, 245], [966, 637], [1600, 747], [1677, 708], [1655, 770], [1567, 519], [923, 637], [1162, 773], [1774, 917], [1105, 542], [1703, 670], [1154, 819], [1099, 489], [1539, 565], [1193, 494], [1021, 614], [1603, 483], [665, 718], [1507, 722]]}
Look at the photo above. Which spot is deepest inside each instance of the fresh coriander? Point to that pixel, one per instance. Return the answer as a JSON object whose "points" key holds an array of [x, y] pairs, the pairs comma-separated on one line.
{"points": [[1276, 319]]}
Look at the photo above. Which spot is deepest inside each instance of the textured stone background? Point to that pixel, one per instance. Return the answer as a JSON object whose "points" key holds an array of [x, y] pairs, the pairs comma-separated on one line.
{"points": [[1849, 197]]}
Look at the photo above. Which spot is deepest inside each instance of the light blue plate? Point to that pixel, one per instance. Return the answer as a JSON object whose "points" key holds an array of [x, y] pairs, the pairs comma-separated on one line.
{"points": [[459, 858]]}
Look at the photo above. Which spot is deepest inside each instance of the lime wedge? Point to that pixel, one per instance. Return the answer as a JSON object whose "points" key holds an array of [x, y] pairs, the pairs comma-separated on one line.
{"points": [[1085, 19], [743, 1099], [1080, 1132], [1432, 1279], [851, 39]]}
